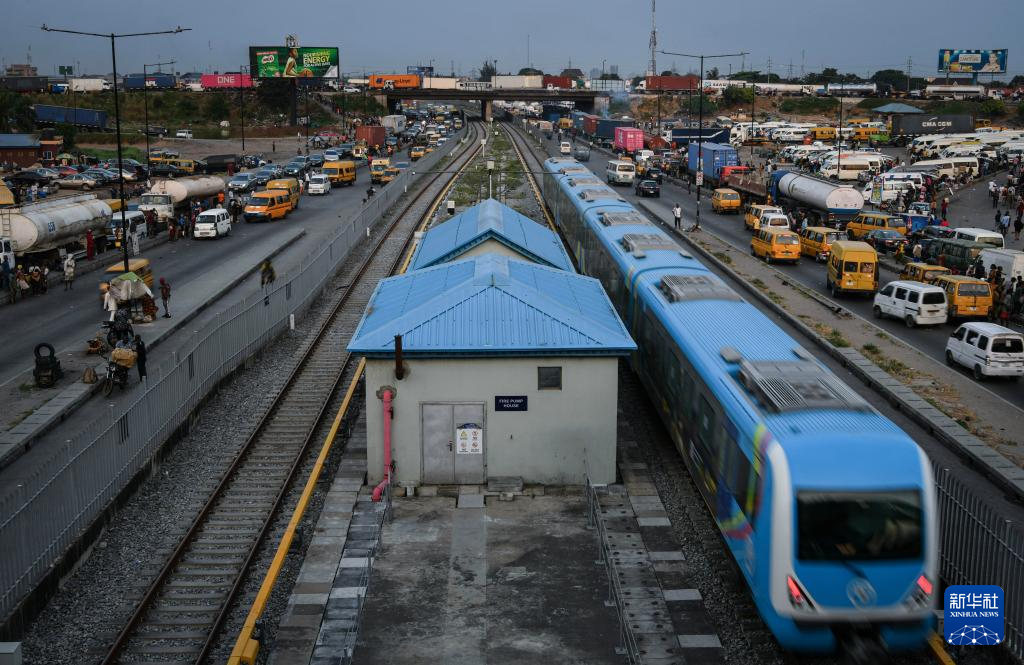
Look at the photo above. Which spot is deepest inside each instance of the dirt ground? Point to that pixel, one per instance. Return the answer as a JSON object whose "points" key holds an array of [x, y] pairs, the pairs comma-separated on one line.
{"points": [[984, 414]]}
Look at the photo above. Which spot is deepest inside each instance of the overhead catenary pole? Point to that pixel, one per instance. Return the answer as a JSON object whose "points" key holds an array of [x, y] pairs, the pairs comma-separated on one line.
{"points": [[117, 112]]}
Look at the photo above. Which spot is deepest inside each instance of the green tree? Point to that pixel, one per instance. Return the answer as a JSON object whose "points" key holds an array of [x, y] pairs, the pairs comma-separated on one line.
{"points": [[1017, 80], [1020, 112], [609, 77], [186, 107], [896, 79], [992, 107], [712, 73], [487, 71], [635, 81], [530, 71], [217, 107], [668, 72], [276, 94], [737, 95], [67, 132], [15, 113]]}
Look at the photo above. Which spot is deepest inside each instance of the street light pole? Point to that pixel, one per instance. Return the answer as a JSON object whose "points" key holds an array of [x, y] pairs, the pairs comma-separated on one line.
{"points": [[145, 102], [117, 112], [241, 95], [700, 123]]}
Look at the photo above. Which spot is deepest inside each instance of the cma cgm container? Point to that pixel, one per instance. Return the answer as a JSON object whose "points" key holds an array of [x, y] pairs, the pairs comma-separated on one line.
{"points": [[672, 83], [563, 82], [55, 115], [628, 139], [606, 127], [716, 156], [394, 81], [217, 81], [374, 135]]}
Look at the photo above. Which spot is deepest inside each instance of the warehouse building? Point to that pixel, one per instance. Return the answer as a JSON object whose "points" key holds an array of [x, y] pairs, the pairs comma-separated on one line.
{"points": [[492, 367], [490, 228]]}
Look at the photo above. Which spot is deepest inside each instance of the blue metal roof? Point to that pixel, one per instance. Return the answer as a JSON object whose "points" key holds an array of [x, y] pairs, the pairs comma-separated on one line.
{"points": [[490, 220], [18, 141], [896, 107], [491, 305]]}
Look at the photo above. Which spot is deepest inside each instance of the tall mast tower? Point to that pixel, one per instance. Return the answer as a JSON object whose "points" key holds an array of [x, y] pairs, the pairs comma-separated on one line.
{"points": [[652, 66]]}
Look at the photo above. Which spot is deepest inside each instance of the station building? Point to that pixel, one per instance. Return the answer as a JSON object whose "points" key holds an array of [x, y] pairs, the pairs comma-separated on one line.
{"points": [[494, 366], [490, 228]]}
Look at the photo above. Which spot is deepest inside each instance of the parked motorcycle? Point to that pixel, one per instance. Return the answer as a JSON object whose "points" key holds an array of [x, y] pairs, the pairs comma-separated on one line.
{"points": [[116, 375], [120, 329]]}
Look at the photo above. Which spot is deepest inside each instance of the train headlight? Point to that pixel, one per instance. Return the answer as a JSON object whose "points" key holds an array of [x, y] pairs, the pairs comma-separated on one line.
{"points": [[797, 598], [921, 594]]}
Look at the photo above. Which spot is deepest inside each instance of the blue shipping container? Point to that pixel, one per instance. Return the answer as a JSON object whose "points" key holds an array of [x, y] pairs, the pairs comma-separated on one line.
{"points": [[606, 127], [716, 156], [683, 135], [91, 118]]}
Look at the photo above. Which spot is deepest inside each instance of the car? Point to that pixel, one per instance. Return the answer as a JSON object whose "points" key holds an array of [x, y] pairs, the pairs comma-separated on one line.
{"points": [[243, 182], [165, 170], [416, 152], [345, 149], [101, 176], [647, 187], [935, 232], [183, 134], [987, 350], [316, 160], [297, 166], [252, 161], [655, 174], [350, 90], [581, 153], [319, 184], [67, 170], [266, 174], [77, 181], [332, 155], [885, 240]]}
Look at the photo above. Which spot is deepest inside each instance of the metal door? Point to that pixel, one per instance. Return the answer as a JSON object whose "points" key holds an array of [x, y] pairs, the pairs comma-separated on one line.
{"points": [[445, 461]]}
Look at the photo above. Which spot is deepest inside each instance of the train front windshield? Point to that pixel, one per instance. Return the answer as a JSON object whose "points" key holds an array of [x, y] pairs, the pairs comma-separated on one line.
{"points": [[859, 526]]}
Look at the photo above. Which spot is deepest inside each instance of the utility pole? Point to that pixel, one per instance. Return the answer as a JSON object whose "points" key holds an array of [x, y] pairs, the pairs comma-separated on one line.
{"points": [[769, 79], [652, 66], [910, 68]]}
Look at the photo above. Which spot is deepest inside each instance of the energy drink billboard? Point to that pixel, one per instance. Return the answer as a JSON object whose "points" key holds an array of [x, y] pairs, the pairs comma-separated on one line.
{"points": [[268, 62], [972, 62]]}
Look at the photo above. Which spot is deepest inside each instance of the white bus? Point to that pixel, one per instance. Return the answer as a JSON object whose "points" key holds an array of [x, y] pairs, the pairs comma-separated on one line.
{"points": [[951, 166], [620, 172], [847, 168], [789, 134]]}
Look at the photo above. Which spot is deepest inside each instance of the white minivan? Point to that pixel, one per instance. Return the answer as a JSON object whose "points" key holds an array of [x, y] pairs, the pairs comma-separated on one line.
{"points": [[183, 134], [987, 349], [620, 172], [914, 303], [565, 148], [975, 234], [213, 223]]}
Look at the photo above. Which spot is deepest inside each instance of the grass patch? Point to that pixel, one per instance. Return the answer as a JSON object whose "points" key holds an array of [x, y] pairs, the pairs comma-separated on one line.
{"points": [[870, 348], [723, 257], [808, 105], [882, 336], [757, 283], [836, 339], [21, 416], [28, 388]]}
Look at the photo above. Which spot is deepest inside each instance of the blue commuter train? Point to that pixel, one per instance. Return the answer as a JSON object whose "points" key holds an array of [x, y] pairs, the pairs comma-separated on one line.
{"points": [[827, 507]]}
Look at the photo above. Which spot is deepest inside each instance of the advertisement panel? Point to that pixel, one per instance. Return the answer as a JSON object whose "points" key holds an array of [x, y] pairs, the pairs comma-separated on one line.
{"points": [[216, 81], [965, 61], [419, 69], [293, 62]]}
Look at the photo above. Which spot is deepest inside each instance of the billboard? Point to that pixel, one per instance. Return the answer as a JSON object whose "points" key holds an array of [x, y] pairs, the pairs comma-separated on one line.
{"points": [[972, 62], [422, 71], [267, 62]]}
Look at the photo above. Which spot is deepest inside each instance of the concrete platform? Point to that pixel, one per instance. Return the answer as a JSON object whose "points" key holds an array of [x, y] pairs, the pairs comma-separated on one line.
{"points": [[511, 582]]}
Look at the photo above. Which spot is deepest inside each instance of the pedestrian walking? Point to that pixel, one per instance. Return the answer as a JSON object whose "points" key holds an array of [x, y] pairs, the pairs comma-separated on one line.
{"points": [[267, 277], [999, 220], [5, 273], [90, 245], [140, 357], [945, 207], [69, 273], [165, 296], [1005, 223], [677, 215], [1018, 226]]}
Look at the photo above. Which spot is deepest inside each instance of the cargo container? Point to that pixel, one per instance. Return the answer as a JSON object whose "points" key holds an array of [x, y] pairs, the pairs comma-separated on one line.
{"points": [[606, 127], [220, 81], [55, 115], [560, 82], [607, 85], [89, 85], [673, 83], [916, 125], [151, 82], [628, 139], [715, 156], [440, 83], [684, 135], [373, 135], [24, 83], [528, 81], [590, 125], [394, 81], [394, 123]]}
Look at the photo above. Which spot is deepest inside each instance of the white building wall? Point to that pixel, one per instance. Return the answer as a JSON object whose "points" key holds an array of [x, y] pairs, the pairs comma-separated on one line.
{"points": [[546, 444]]}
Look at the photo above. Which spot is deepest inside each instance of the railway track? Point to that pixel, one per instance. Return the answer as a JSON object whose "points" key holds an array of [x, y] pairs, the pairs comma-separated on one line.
{"points": [[181, 612]]}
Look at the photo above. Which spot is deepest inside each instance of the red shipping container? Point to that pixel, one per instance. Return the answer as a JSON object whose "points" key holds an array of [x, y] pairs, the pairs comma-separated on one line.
{"points": [[687, 82], [216, 81], [628, 139], [590, 125], [563, 82], [374, 135]]}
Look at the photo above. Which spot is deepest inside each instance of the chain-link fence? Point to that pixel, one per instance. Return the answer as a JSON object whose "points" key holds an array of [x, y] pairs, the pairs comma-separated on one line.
{"points": [[53, 506]]}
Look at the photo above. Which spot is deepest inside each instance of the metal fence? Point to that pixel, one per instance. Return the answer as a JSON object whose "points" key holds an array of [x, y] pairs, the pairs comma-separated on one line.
{"points": [[53, 506], [977, 546]]}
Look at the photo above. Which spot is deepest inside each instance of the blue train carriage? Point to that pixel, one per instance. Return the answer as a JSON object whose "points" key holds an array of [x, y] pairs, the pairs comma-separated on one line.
{"points": [[827, 507]]}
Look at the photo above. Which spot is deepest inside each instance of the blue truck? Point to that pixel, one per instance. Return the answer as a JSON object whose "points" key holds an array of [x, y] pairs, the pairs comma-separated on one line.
{"points": [[716, 156], [682, 136], [151, 81], [55, 115]]}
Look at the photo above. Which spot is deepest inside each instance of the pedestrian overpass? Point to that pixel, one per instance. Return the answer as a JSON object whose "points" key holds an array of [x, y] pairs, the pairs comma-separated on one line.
{"points": [[589, 101]]}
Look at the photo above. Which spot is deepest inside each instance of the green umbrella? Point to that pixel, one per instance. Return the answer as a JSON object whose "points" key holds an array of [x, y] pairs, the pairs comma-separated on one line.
{"points": [[127, 277]]}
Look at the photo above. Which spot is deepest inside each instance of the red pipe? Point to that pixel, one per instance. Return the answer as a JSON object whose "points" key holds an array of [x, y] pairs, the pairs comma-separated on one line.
{"points": [[379, 489]]}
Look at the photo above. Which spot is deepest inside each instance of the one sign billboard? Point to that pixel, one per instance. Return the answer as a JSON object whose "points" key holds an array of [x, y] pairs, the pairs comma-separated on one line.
{"points": [[972, 62], [267, 62], [420, 69]]}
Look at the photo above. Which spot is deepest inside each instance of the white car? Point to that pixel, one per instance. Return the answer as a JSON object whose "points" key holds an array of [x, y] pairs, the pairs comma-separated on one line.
{"points": [[349, 89], [987, 349], [213, 223], [319, 184], [183, 134], [565, 148], [914, 303]]}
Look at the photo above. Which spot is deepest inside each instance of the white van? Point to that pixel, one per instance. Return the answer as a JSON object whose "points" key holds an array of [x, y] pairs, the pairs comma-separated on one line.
{"points": [[565, 148], [620, 172], [213, 223], [183, 134], [136, 221], [846, 168], [987, 349], [1010, 260], [979, 235], [914, 303], [950, 167]]}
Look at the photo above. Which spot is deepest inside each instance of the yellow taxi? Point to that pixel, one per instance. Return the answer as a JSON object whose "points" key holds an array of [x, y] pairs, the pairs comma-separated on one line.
{"points": [[752, 217], [726, 200], [268, 206], [417, 152], [866, 222], [852, 268], [775, 244], [967, 297], [816, 241]]}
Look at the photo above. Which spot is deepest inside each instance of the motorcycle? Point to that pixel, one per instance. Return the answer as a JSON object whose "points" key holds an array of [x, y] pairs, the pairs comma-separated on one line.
{"points": [[120, 329], [116, 375]]}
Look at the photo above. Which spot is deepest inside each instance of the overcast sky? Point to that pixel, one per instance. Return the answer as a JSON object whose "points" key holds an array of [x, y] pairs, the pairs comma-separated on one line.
{"points": [[387, 36]]}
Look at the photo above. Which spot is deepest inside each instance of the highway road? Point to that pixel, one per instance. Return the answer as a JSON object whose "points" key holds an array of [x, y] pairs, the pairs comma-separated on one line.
{"points": [[931, 341]]}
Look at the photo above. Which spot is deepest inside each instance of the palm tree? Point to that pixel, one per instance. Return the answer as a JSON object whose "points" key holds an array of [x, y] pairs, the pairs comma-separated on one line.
{"points": [[15, 113]]}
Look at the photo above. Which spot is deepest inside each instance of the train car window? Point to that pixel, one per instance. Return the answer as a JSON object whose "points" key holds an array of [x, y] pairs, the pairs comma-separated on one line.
{"points": [[549, 378], [706, 422], [687, 395]]}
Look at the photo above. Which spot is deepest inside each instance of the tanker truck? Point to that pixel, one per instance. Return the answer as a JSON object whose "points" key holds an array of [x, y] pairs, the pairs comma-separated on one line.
{"points": [[36, 232], [829, 203], [169, 198]]}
